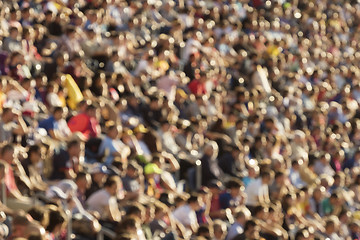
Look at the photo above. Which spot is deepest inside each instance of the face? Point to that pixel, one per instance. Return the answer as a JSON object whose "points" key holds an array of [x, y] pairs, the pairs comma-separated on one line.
{"points": [[35, 157], [253, 233], [58, 115], [114, 189]]}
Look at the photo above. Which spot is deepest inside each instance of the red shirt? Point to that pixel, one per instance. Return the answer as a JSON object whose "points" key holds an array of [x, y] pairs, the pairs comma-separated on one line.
{"points": [[197, 88], [85, 124]]}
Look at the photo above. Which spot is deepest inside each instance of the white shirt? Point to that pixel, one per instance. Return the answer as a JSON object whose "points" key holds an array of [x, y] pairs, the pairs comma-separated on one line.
{"points": [[185, 215], [100, 201], [255, 190]]}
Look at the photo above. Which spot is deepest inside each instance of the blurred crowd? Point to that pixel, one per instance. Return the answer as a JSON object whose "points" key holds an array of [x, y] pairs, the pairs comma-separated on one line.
{"points": [[180, 119]]}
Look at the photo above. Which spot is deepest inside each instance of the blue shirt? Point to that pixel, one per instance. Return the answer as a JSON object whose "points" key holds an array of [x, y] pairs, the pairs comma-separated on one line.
{"points": [[49, 124]]}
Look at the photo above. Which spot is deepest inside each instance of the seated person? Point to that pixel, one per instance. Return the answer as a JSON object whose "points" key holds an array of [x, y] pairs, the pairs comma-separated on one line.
{"points": [[104, 201], [112, 146], [56, 126], [86, 122]]}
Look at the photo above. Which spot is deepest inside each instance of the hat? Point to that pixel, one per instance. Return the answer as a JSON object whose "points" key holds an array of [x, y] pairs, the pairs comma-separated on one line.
{"points": [[140, 129], [152, 168], [99, 168]]}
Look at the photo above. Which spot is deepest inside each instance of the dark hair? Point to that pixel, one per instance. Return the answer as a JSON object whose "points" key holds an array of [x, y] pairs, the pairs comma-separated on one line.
{"points": [[203, 229], [133, 209], [38, 213], [58, 109], [80, 175], [35, 237], [33, 149], [56, 217], [249, 224], [233, 184], [110, 182], [193, 198], [279, 174], [72, 143], [7, 148], [265, 174], [126, 223]]}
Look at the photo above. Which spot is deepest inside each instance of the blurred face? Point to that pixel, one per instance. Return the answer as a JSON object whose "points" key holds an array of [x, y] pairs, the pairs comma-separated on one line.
{"points": [[114, 189], [235, 192], [58, 115], [35, 157], [253, 233], [113, 133]]}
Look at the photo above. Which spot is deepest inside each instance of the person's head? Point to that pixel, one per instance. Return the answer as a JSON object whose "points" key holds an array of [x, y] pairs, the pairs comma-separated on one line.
{"points": [[40, 214], [137, 211], [265, 177], [330, 226], [251, 230], [302, 234], [295, 165], [193, 202], [98, 174], [339, 179], [203, 231], [58, 113], [112, 185], [113, 131], [334, 199], [74, 148], [8, 153], [34, 154], [19, 224], [220, 229], [260, 212], [83, 180], [7, 115], [354, 226], [280, 178], [57, 219], [91, 111], [132, 169], [234, 187], [128, 225], [241, 216], [13, 32]]}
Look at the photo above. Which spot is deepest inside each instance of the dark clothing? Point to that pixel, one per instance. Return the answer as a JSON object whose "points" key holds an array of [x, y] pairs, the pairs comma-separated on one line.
{"points": [[151, 117], [94, 187], [227, 163], [61, 163], [208, 170], [240, 237]]}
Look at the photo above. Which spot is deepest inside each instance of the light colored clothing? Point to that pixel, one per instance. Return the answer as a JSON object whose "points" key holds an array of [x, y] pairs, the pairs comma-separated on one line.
{"points": [[100, 201], [295, 179], [185, 215], [234, 230], [255, 190], [112, 145]]}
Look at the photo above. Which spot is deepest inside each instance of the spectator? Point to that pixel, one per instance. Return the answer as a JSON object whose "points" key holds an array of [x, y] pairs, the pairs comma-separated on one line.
{"points": [[186, 213], [258, 191], [112, 146], [104, 201]]}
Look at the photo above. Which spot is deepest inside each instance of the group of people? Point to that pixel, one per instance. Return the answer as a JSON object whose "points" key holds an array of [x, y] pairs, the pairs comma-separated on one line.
{"points": [[180, 119]]}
